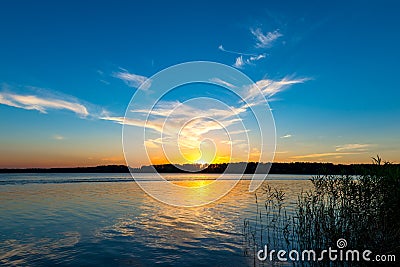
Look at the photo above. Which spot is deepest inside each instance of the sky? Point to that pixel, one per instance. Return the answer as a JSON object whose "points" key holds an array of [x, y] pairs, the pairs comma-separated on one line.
{"points": [[69, 69]]}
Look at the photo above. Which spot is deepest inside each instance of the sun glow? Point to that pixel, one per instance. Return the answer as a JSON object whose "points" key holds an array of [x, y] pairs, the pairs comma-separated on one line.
{"points": [[193, 183], [200, 141]]}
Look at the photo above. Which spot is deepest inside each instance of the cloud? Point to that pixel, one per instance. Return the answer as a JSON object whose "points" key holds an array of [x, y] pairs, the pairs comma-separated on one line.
{"points": [[153, 143], [41, 104], [104, 81], [265, 40], [236, 52], [341, 150], [58, 137], [222, 82], [267, 87], [330, 154], [255, 58], [357, 147], [134, 122], [270, 87], [44, 101], [239, 63], [133, 80], [177, 124], [243, 58], [120, 120], [114, 159], [286, 136], [166, 108]]}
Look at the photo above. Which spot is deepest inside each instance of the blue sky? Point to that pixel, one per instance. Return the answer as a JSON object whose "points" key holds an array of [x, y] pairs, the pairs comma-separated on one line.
{"points": [[64, 66]]}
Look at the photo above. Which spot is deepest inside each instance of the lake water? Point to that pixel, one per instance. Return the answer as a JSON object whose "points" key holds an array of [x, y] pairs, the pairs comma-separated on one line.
{"points": [[106, 219]]}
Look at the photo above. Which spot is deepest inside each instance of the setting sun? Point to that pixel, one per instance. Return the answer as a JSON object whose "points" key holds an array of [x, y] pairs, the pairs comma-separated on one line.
{"points": [[199, 133]]}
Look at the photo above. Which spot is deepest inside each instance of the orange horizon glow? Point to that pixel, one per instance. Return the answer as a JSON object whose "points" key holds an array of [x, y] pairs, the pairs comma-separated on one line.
{"points": [[75, 164]]}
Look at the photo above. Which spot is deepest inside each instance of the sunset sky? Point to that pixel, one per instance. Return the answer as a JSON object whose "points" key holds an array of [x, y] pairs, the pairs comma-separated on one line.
{"points": [[68, 70]]}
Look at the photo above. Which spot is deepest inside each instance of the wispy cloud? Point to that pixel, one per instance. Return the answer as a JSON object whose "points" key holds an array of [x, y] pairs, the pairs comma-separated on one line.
{"points": [[270, 88], [58, 137], [157, 126], [243, 58], [41, 104], [266, 87], [222, 82], [166, 108], [45, 101], [255, 58], [341, 150], [175, 121], [239, 63], [357, 147], [286, 136], [321, 155], [237, 52], [133, 80], [265, 40], [262, 41], [104, 81]]}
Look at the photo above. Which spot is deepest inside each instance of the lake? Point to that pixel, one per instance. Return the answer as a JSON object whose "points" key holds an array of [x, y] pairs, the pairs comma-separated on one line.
{"points": [[106, 219]]}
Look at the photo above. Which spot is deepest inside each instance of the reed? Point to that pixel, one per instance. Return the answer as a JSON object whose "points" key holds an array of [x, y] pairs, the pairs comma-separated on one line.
{"points": [[363, 209]]}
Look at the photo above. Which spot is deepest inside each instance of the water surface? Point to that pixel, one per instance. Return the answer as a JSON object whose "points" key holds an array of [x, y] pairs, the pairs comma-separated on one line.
{"points": [[106, 219]]}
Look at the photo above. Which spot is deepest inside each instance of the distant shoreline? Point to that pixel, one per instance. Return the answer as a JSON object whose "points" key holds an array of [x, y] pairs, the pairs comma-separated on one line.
{"points": [[249, 168]]}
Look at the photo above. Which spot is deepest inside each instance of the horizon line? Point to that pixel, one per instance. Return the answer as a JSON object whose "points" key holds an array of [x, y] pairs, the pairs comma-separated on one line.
{"points": [[192, 164]]}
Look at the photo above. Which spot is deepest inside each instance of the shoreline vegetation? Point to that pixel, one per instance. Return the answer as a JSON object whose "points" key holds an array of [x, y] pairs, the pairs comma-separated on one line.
{"points": [[311, 168], [363, 213]]}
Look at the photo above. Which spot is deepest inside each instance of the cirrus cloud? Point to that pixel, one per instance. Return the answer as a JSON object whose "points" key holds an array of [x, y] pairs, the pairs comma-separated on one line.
{"points": [[321, 155], [133, 80], [41, 104], [265, 40], [357, 147], [270, 87]]}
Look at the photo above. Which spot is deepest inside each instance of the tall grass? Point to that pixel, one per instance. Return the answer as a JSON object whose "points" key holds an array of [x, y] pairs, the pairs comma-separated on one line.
{"points": [[363, 209], [272, 225]]}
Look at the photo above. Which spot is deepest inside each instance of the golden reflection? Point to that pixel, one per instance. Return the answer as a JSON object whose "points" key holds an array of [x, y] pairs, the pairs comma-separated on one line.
{"points": [[189, 227], [193, 184]]}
